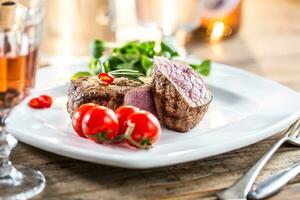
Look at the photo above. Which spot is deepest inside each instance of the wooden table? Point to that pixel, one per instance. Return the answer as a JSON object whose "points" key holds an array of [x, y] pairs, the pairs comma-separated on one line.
{"points": [[268, 45]]}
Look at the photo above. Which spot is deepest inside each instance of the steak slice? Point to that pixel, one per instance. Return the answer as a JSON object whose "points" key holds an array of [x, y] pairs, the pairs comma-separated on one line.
{"points": [[180, 95], [91, 90], [141, 97]]}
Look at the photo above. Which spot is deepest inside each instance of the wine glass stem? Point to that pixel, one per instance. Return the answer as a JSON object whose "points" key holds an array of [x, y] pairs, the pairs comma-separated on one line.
{"points": [[5, 164], [8, 174], [5, 168], [21, 183]]}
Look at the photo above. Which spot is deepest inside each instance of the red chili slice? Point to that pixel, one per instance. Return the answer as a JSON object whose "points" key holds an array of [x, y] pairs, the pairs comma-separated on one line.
{"points": [[106, 78], [45, 100], [35, 103]]}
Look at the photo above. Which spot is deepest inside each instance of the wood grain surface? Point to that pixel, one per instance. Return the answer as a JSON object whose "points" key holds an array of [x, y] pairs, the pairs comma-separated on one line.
{"points": [[269, 45]]}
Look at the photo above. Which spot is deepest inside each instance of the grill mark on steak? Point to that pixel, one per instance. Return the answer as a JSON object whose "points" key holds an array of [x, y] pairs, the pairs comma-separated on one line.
{"points": [[185, 80], [180, 95]]}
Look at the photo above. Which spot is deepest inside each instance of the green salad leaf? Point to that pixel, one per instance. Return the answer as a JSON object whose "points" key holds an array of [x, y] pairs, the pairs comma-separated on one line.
{"points": [[136, 56], [202, 68], [167, 49], [80, 74], [97, 48], [94, 65]]}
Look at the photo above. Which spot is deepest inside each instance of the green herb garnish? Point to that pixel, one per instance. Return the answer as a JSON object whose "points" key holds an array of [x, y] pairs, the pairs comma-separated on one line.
{"points": [[97, 48], [80, 74], [127, 73], [202, 68], [136, 57]]}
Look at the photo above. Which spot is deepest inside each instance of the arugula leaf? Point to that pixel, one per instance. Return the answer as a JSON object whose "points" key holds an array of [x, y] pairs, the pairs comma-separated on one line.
{"points": [[136, 56], [126, 65], [80, 74], [147, 48], [205, 67], [97, 48], [93, 65], [202, 68], [167, 48], [146, 64]]}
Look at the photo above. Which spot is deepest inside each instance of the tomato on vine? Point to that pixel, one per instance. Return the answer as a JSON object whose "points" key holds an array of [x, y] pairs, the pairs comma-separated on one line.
{"points": [[123, 112], [100, 124], [141, 129], [78, 116]]}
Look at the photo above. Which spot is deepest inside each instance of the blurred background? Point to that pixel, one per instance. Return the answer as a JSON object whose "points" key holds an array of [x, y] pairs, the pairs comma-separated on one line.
{"points": [[118, 20], [246, 33], [260, 36]]}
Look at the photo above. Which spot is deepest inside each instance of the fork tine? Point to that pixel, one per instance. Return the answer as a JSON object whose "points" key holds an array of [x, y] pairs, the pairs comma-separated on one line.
{"points": [[293, 130], [295, 133]]}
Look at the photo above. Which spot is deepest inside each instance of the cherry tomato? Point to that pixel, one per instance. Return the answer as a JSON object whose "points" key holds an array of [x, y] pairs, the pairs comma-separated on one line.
{"points": [[100, 124], [106, 78], [78, 116], [45, 100], [142, 129], [35, 103], [123, 112]]}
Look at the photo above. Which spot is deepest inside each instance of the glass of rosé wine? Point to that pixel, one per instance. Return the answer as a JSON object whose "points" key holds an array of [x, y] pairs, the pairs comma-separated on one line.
{"points": [[20, 33]]}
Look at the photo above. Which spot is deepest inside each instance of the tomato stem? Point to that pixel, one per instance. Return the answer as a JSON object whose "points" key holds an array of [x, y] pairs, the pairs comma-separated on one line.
{"points": [[127, 135]]}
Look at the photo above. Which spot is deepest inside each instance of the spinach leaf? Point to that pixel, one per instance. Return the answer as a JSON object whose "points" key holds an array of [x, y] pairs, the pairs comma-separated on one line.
{"points": [[167, 48], [97, 48], [203, 68], [93, 65], [80, 74], [136, 56], [146, 63]]}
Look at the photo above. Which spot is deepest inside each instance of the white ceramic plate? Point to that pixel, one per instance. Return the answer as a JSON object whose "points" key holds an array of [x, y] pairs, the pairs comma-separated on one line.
{"points": [[245, 109]]}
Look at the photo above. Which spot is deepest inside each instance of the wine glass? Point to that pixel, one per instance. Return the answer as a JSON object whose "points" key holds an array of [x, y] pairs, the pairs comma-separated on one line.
{"points": [[20, 182], [169, 16]]}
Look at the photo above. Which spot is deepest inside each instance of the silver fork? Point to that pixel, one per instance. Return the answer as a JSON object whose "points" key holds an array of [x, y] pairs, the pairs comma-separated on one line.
{"points": [[240, 188], [274, 183]]}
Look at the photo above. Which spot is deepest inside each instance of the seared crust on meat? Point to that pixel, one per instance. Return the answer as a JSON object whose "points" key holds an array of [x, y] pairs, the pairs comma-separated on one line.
{"points": [[91, 90], [178, 109]]}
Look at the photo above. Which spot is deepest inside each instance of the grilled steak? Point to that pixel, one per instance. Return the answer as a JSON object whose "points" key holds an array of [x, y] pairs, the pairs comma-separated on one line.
{"points": [[180, 95], [91, 90], [141, 97]]}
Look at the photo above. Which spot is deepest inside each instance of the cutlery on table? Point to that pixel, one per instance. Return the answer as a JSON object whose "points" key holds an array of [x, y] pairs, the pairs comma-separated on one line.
{"points": [[240, 189], [274, 183]]}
